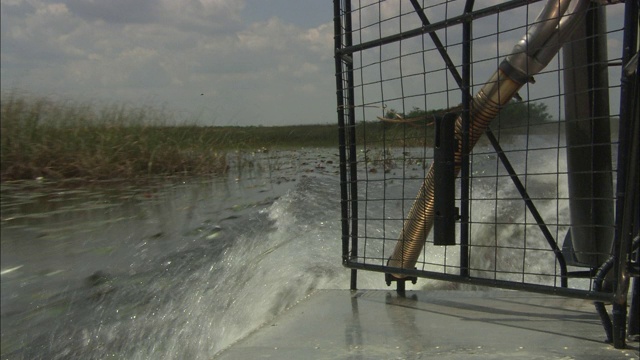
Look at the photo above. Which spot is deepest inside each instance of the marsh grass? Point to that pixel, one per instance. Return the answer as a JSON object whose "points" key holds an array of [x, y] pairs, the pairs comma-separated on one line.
{"points": [[42, 138]]}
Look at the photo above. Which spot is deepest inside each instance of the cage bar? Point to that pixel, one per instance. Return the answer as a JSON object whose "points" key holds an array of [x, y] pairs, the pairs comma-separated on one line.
{"points": [[515, 173]]}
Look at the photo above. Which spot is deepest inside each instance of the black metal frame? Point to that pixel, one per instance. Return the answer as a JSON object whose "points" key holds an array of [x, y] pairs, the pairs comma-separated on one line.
{"points": [[626, 224]]}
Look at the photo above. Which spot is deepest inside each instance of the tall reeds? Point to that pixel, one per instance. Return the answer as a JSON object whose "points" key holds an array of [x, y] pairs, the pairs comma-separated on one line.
{"points": [[56, 139], [53, 139]]}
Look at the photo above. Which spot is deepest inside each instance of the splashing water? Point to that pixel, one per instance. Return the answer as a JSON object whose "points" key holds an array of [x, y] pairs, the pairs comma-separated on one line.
{"points": [[182, 270], [174, 271]]}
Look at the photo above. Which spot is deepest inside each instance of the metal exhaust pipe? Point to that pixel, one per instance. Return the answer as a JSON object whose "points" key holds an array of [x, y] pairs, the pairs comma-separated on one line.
{"points": [[543, 40]]}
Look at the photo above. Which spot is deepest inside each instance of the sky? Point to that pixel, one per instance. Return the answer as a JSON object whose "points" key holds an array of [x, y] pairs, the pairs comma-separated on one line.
{"points": [[212, 62], [222, 62]]}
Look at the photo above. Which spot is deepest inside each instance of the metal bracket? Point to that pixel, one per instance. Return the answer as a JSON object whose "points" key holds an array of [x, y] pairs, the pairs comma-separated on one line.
{"points": [[400, 282], [445, 211]]}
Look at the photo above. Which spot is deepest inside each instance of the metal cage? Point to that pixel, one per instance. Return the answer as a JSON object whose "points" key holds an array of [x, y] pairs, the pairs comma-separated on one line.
{"points": [[492, 143]]}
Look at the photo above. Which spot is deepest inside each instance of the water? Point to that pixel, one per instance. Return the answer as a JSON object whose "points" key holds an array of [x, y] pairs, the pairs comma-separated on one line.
{"points": [[167, 269], [181, 269], [499, 220]]}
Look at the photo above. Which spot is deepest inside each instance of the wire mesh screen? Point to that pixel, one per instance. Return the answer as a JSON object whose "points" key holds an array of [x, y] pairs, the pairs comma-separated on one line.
{"points": [[532, 162]]}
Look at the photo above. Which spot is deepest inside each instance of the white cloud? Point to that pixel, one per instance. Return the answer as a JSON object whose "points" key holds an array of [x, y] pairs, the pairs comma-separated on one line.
{"points": [[217, 12], [319, 40], [272, 34], [171, 51]]}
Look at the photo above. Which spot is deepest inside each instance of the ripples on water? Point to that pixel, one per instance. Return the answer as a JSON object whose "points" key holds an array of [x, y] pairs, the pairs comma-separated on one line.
{"points": [[174, 268], [170, 269]]}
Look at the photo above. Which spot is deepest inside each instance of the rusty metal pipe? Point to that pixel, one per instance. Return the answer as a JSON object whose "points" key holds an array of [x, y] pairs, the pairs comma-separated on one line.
{"points": [[524, 62]]}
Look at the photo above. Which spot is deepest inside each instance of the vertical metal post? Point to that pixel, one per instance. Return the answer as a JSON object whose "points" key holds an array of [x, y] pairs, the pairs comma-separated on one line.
{"points": [[628, 176], [353, 165], [633, 327], [337, 41], [344, 109], [464, 171]]}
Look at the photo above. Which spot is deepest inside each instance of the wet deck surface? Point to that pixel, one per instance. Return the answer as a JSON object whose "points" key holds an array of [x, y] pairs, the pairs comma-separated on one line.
{"points": [[377, 324]]}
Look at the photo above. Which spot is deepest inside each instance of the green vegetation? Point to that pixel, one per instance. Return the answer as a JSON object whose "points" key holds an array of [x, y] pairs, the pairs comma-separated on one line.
{"points": [[416, 128], [518, 114], [515, 114], [68, 140], [57, 140], [43, 138]]}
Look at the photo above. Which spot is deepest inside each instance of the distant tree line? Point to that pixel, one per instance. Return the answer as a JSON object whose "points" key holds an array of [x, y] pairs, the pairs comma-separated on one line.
{"points": [[514, 114], [520, 113]]}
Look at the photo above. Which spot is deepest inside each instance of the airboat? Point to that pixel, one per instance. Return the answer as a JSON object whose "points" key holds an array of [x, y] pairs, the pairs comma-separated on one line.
{"points": [[498, 236]]}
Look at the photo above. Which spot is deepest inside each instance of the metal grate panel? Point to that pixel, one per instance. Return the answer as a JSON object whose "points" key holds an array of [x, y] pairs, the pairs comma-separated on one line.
{"points": [[451, 92]]}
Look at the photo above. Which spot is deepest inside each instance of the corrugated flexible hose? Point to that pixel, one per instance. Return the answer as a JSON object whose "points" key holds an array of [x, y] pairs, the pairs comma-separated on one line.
{"points": [[485, 107]]}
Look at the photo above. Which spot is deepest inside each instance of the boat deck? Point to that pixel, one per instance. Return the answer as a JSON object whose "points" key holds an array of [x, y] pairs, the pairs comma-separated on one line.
{"points": [[379, 324]]}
